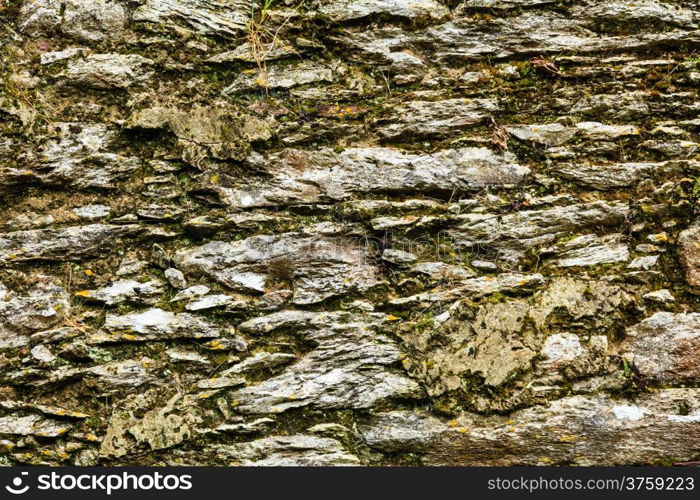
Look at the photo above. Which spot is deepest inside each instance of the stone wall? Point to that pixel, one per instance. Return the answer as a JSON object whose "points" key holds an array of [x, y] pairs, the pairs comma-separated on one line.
{"points": [[337, 232]]}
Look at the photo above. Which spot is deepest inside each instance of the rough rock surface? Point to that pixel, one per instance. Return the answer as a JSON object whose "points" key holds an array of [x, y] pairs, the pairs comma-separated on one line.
{"points": [[213, 17], [517, 232], [286, 451], [347, 368], [72, 243], [310, 176], [689, 253], [315, 268], [87, 21], [346, 10], [665, 347], [433, 119], [23, 315], [349, 232], [153, 324], [74, 154], [108, 71], [572, 430]]}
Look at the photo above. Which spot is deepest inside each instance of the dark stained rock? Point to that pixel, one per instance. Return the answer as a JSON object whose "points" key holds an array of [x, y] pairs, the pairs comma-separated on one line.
{"points": [[578, 430]]}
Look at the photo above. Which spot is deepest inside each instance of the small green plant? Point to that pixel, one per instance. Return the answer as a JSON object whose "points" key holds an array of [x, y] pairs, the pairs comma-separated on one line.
{"points": [[262, 38], [100, 355], [693, 57], [696, 188], [72, 312], [626, 370], [266, 6]]}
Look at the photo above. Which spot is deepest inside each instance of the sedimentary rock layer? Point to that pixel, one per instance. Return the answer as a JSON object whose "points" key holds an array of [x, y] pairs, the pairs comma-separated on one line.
{"points": [[349, 232]]}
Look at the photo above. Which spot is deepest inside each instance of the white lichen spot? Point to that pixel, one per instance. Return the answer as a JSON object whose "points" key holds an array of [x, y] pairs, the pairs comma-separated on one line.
{"points": [[628, 412]]}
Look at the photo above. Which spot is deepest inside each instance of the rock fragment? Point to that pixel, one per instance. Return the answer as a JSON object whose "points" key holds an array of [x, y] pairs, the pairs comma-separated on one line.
{"points": [[348, 368], [32, 425], [77, 155], [318, 267], [22, 315], [346, 10], [591, 250], [109, 71], [85, 20], [665, 347], [221, 132], [514, 233], [281, 451], [689, 254], [434, 118], [311, 176], [125, 291], [72, 243], [215, 17], [176, 278], [153, 324], [281, 77], [614, 176], [554, 434]]}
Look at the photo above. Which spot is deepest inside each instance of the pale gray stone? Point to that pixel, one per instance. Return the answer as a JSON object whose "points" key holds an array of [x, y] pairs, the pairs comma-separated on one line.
{"points": [[662, 296], [86, 20], [91, 212], [689, 252], [214, 17], [21, 315], [109, 71], [549, 435], [72, 243], [125, 290], [591, 250], [319, 267], [78, 155], [516, 232], [613, 176], [348, 368], [153, 324], [664, 347], [282, 77], [346, 10], [434, 118], [305, 176], [176, 278], [281, 451], [33, 425]]}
